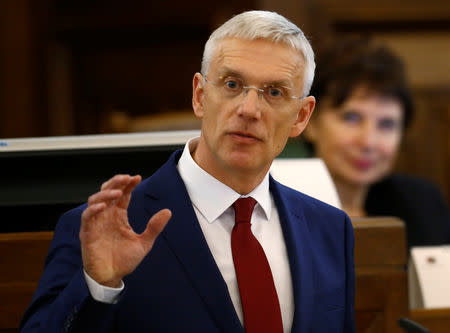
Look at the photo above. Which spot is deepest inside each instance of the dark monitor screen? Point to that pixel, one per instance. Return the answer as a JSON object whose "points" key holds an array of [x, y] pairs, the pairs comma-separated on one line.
{"points": [[41, 178]]}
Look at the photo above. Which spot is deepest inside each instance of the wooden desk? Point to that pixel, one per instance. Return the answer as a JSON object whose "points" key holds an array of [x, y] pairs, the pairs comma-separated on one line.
{"points": [[380, 264], [435, 320]]}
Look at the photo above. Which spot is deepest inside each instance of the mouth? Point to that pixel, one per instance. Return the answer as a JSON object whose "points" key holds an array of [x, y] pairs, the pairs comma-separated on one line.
{"points": [[244, 137], [362, 164]]}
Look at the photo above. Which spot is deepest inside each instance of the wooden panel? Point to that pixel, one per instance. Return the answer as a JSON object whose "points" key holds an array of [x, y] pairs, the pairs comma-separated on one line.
{"points": [[98, 14], [379, 241], [425, 150], [137, 59], [435, 320], [382, 10], [369, 322], [21, 266], [17, 95], [381, 282], [424, 68], [381, 299], [22, 255]]}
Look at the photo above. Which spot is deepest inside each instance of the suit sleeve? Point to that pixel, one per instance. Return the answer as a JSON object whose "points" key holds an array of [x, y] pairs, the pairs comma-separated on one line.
{"points": [[62, 294], [349, 326]]}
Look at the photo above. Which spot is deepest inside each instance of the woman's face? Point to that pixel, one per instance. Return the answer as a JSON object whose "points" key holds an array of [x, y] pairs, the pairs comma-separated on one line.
{"points": [[359, 139]]}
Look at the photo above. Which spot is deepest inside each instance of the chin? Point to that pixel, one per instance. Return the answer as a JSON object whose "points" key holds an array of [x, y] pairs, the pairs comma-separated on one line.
{"points": [[242, 164], [366, 179]]}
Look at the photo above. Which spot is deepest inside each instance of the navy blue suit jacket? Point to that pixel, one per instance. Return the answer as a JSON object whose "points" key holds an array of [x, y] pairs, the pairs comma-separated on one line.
{"points": [[178, 286]]}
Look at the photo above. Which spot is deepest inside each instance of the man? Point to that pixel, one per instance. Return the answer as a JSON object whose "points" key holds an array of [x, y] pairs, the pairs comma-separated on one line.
{"points": [[118, 265]]}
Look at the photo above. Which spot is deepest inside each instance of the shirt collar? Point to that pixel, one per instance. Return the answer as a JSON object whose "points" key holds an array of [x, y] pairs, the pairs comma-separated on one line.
{"points": [[210, 196]]}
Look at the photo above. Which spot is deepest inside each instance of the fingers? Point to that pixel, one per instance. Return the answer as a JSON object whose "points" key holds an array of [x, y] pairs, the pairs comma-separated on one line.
{"points": [[116, 190], [125, 199], [120, 182], [104, 196], [99, 201], [118, 187], [92, 210], [154, 227]]}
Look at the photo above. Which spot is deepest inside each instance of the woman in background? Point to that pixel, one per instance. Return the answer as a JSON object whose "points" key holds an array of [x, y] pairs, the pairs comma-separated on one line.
{"points": [[363, 107]]}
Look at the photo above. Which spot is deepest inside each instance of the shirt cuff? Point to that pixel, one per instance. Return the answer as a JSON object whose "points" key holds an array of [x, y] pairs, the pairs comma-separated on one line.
{"points": [[102, 293]]}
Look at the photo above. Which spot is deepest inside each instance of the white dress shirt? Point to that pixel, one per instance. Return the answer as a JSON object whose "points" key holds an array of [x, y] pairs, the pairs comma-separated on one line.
{"points": [[212, 202]]}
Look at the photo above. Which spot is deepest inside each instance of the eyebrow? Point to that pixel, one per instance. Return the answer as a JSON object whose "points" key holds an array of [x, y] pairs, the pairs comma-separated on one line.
{"points": [[279, 83], [226, 72]]}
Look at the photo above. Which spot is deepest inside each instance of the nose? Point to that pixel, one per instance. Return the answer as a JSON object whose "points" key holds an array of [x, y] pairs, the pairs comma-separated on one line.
{"points": [[249, 105], [259, 91], [368, 136]]}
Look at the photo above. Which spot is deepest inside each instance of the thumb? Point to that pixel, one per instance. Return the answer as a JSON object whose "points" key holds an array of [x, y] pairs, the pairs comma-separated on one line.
{"points": [[154, 227]]}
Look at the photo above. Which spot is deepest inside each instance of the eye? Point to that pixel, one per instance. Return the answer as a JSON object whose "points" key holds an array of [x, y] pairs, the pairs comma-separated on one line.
{"points": [[232, 84], [351, 117], [388, 124], [275, 92]]}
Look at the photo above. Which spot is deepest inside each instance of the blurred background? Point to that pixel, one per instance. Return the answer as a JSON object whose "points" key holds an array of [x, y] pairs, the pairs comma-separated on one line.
{"points": [[88, 66]]}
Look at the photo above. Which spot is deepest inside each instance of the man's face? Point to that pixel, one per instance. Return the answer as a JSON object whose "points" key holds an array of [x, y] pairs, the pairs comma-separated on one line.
{"points": [[243, 133]]}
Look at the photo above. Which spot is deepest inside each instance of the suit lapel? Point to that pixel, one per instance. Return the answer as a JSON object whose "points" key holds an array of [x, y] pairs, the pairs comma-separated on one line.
{"points": [[296, 236], [183, 234], [165, 189]]}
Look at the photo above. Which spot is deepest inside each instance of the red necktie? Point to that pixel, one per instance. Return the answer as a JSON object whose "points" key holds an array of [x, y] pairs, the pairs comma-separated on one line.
{"points": [[258, 294]]}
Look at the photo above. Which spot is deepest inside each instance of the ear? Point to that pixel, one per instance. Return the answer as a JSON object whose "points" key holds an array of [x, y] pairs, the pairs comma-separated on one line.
{"points": [[198, 94], [303, 116]]}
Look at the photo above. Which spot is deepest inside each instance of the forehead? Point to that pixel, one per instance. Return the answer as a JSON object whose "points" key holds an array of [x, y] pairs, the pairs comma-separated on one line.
{"points": [[375, 103], [366, 100], [259, 60]]}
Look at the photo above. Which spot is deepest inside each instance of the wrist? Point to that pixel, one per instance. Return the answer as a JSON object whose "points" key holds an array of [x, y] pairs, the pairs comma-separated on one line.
{"points": [[106, 282], [102, 293]]}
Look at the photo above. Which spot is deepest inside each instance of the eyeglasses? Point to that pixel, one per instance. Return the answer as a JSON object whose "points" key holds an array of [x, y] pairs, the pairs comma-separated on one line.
{"points": [[274, 95]]}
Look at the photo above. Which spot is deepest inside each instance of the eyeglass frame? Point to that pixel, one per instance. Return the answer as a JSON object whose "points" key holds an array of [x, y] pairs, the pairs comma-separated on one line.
{"points": [[260, 91]]}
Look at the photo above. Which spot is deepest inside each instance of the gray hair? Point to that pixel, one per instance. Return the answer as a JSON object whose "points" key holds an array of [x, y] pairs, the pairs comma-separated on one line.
{"points": [[258, 24]]}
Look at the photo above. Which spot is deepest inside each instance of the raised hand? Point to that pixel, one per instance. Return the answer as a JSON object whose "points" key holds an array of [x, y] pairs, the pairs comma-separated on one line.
{"points": [[109, 246]]}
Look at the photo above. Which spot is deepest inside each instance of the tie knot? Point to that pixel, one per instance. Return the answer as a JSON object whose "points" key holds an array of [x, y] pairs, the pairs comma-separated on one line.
{"points": [[243, 209]]}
